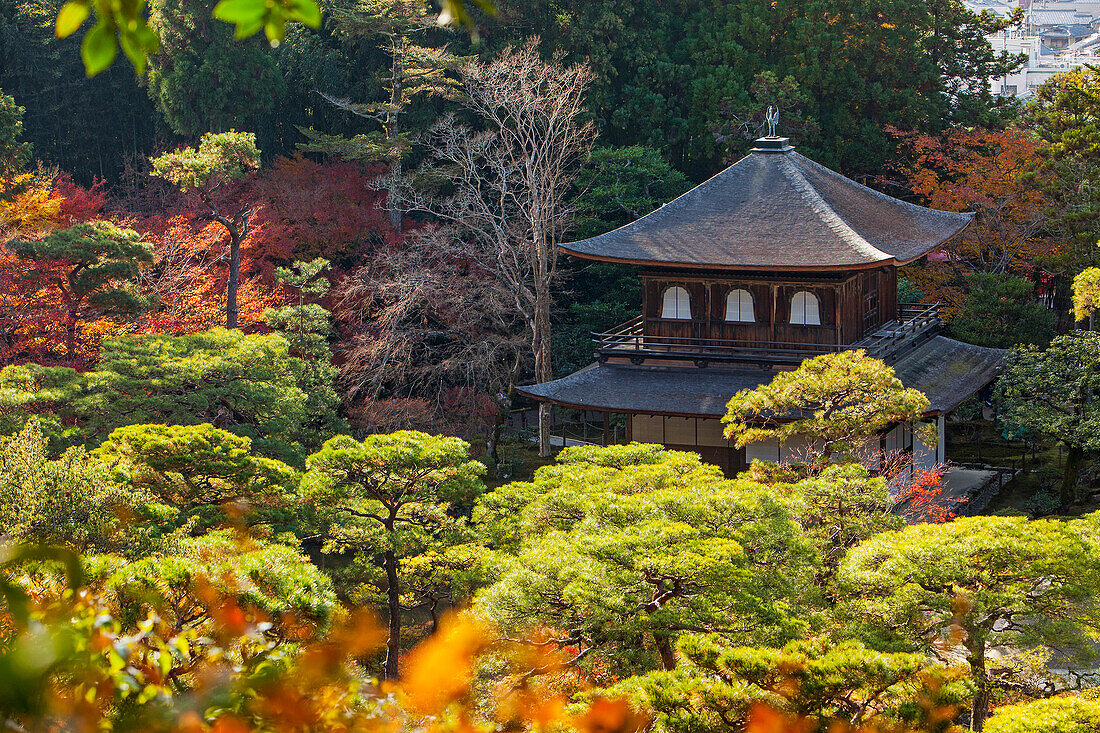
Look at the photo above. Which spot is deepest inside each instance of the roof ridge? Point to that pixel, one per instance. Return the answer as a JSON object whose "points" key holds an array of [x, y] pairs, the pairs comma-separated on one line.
{"points": [[824, 211]]}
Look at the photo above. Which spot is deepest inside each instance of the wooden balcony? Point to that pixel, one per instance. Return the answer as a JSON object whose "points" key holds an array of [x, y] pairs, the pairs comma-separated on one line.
{"points": [[915, 321], [630, 340]]}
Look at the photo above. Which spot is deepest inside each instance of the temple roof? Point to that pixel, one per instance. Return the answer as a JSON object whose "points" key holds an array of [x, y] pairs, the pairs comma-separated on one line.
{"points": [[945, 370], [776, 209]]}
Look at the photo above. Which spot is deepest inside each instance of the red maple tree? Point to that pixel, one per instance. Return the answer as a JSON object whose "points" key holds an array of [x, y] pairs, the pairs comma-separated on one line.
{"points": [[986, 172]]}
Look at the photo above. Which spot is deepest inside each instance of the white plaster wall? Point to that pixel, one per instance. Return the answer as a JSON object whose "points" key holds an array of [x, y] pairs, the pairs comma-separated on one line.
{"points": [[763, 451], [647, 428], [710, 432]]}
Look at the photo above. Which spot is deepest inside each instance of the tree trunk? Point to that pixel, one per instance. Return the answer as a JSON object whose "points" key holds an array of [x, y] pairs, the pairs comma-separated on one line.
{"points": [[492, 446], [664, 648], [393, 643], [492, 443], [234, 275], [70, 336], [398, 49], [1074, 457], [392, 210], [979, 710], [545, 448], [540, 339], [433, 609]]}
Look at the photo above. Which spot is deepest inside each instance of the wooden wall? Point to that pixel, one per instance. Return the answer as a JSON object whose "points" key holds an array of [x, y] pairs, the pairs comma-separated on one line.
{"points": [[851, 305]]}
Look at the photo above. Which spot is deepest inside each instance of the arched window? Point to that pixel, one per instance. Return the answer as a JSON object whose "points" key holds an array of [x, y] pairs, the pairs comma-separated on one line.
{"points": [[805, 310], [676, 304], [739, 306]]}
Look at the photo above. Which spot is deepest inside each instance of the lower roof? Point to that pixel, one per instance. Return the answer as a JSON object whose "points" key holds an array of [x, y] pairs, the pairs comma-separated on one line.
{"points": [[945, 370]]}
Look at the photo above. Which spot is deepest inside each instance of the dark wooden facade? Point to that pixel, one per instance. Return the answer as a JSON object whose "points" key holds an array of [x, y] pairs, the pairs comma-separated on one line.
{"points": [[851, 305], [775, 223]]}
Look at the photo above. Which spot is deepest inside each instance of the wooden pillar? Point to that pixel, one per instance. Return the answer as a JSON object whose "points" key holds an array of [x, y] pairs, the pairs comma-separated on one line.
{"points": [[775, 300], [838, 334], [606, 428], [941, 438]]}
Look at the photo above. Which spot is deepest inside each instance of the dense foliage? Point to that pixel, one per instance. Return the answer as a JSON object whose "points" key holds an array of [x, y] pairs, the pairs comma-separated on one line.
{"points": [[242, 393]]}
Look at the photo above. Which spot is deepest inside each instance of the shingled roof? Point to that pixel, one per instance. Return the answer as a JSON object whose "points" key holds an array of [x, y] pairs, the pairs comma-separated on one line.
{"points": [[776, 209], [945, 370]]}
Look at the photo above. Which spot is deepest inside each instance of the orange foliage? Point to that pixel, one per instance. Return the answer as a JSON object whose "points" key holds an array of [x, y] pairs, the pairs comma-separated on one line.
{"points": [[301, 210], [980, 171], [31, 308], [190, 273], [921, 496], [31, 324], [454, 647], [316, 687], [34, 210]]}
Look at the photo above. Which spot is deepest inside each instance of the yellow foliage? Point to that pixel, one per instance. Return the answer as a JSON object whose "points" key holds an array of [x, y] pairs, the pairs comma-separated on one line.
{"points": [[27, 205], [1086, 293]]}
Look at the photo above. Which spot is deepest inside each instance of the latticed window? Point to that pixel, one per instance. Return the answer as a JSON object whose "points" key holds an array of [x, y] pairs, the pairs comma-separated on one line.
{"points": [[676, 304], [805, 309], [739, 306]]}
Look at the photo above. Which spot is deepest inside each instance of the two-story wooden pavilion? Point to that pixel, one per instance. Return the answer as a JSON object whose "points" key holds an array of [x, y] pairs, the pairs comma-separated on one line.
{"points": [[771, 261]]}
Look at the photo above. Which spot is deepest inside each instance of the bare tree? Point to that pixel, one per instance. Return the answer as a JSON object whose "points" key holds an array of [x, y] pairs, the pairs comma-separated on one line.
{"points": [[505, 189], [427, 321]]}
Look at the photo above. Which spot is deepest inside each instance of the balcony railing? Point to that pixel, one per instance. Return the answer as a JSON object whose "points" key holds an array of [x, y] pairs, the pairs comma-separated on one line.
{"points": [[914, 321], [629, 340]]}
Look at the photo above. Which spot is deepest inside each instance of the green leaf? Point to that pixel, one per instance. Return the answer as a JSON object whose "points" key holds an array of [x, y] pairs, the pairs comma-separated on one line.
{"points": [[307, 12], [70, 17], [275, 28], [241, 12], [244, 30], [132, 48], [98, 49]]}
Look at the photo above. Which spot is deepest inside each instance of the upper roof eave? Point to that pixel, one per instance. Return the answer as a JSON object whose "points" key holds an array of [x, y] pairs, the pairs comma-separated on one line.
{"points": [[776, 210], [891, 261]]}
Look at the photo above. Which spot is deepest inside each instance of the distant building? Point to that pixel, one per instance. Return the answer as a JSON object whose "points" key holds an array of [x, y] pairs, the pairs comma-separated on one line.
{"points": [[1056, 36], [1061, 37], [1043, 62], [773, 260]]}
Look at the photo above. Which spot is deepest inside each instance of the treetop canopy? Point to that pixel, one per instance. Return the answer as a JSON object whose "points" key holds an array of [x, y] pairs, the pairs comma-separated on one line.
{"points": [[220, 158]]}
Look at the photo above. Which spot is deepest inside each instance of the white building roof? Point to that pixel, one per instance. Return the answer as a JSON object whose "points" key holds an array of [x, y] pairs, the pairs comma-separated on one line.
{"points": [[1050, 17]]}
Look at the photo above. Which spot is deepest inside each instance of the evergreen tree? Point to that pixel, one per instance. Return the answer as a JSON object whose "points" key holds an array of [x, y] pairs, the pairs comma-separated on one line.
{"points": [[202, 79], [100, 261], [69, 501], [1054, 392], [13, 151], [1065, 114], [389, 499], [621, 550], [218, 161], [88, 127], [307, 328], [966, 586], [1000, 310], [246, 384]]}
